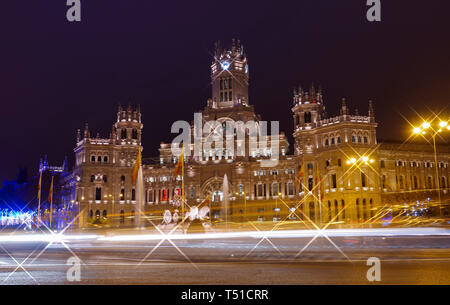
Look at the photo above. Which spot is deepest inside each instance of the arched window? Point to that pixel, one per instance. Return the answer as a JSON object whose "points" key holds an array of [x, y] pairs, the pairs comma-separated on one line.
{"points": [[363, 179], [150, 196], [92, 178], [105, 214], [99, 159], [329, 211], [307, 117], [164, 195], [326, 142], [334, 181], [97, 214], [364, 209], [359, 139], [105, 178], [365, 140], [353, 139], [92, 159], [312, 211], [134, 134], [122, 216], [336, 209], [122, 178], [133, 194], [105, 159], [91, 214], [98, 193], [122, 194], [358, 214], [371, 207], [123, 134]]}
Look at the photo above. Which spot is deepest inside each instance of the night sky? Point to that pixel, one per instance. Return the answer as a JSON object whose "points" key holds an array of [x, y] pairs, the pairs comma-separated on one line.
{"points": [[56, 75]]}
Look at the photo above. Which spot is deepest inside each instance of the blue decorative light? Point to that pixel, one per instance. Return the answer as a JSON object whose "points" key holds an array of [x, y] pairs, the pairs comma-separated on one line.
{"points": [[225, 65]]}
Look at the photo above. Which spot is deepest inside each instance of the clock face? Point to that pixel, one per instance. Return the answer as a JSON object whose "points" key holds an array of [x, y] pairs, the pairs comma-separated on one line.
{"points": [[225, 65]]}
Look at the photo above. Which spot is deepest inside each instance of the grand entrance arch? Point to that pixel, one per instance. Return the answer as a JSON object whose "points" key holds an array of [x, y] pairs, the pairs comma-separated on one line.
{"points": [[214, 187]]}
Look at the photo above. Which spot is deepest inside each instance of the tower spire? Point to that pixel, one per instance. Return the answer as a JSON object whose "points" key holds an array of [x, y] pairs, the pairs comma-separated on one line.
{"points": [[86, 131], [78, 135], [344, 108]]}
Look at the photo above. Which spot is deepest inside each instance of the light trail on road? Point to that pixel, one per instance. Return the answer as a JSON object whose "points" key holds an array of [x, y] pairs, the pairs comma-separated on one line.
{"points": [[379, 232]]}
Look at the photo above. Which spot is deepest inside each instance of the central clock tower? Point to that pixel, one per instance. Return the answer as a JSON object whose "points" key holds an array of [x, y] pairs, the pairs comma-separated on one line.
{"points": [[229, 76]]}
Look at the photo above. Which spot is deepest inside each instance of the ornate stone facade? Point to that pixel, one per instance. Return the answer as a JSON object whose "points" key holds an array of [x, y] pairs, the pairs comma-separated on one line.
{"points": [[348, 176]]}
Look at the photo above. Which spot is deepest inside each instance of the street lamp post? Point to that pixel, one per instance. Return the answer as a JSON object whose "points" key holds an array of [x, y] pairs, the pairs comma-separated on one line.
{"points": [[245, 203], [443, 125], [363, 160]]}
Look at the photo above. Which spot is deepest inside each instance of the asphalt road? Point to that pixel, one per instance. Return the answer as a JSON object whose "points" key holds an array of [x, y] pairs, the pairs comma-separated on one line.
{"points": [[243, 260]]}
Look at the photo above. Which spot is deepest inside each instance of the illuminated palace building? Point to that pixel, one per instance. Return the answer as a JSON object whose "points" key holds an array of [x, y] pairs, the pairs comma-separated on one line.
{"points": [[347, 175]]}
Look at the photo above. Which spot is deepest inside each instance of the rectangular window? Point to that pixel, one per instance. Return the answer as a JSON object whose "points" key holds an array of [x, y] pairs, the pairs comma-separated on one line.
{"points": [[291, 188], [98, 193], [275, 189], [310, 184], [334, 181], [260, 190]]}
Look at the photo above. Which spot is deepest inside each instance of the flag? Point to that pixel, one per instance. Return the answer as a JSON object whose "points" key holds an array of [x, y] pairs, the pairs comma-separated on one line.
{"points": [[207, 200], [301, 173], [136, 167], [179, 166], [50, 193], [39, 186], [316, 176]]}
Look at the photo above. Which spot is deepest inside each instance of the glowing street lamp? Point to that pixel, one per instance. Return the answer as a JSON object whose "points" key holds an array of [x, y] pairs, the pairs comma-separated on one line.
{"points": [[422, 130]]}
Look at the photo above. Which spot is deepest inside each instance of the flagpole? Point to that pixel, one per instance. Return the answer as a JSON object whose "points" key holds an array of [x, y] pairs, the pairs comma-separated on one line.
{"points": [[51, 203], [318, 189], [139, 200], [139, 190], [39, 198], [183, 196]]}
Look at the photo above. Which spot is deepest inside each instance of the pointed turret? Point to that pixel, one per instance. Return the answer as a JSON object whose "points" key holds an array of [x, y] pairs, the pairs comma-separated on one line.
{"points": [[371, 112], [78, 136], [344, 109], [86, 131], [65, 166], [229, 76], [313, 92]]}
